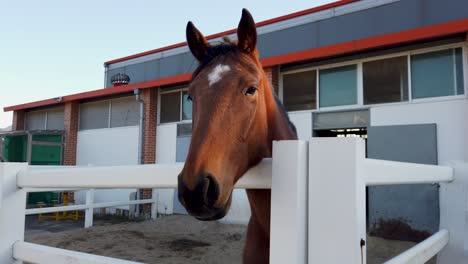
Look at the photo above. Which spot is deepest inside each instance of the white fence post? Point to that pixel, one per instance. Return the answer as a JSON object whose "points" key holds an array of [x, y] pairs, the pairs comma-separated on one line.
{"points": [[12, 210], [453, 215], [337, 204], [154, 204], [288, 238], [89, 212]]}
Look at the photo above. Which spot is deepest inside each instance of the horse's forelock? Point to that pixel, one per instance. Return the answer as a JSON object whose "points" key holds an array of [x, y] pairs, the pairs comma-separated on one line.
{"points": [[215, 50]]}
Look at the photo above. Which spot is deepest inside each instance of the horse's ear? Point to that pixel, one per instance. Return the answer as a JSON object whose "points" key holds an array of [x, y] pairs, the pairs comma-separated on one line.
{"points": [[196, 41], [247, 33]]}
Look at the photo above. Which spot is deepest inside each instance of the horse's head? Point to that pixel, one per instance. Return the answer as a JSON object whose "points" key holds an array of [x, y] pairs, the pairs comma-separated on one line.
{"points": [[229, 119]]}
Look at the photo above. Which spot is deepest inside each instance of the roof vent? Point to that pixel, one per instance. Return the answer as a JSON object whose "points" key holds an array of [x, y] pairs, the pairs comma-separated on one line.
{"points": [[120, 79]]}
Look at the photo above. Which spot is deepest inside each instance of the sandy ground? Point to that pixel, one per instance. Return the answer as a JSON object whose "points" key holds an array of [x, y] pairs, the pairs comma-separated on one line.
{"points": [[175, 239]]}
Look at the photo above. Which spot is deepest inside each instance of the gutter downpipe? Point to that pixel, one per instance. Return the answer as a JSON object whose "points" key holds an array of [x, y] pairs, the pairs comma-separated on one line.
{"points": [[137, 93], [141, 131], [106, 68]]}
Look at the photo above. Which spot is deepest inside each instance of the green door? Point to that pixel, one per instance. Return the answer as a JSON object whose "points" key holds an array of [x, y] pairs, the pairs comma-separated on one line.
{"points": [[45, 155], [15, 148]]}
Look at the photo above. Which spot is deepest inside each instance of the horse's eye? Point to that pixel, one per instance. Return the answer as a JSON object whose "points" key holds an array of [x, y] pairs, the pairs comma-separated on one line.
{"points": [[251, 91]]}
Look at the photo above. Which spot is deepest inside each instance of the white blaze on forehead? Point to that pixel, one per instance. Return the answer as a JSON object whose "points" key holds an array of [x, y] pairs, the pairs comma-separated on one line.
{"points": [[215, 74]]}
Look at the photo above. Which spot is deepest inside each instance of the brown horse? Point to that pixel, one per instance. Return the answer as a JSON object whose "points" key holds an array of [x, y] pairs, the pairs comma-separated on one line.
{"points": [[236, 116]]}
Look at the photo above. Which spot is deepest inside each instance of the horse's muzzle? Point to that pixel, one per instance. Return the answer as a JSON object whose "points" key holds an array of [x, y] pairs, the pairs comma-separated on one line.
{"points": [[200, 201]]}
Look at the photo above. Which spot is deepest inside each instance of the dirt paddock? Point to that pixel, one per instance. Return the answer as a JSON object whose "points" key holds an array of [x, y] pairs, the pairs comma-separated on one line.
{"points": [[174, 239]]}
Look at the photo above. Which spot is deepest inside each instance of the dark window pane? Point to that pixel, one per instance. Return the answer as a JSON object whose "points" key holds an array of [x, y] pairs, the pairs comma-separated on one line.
{"points": [[433, 74], [170, 107], [338, 86], [341, 120], [459, 70], [186, 107], [184, 130], [299, 91], [385, 81]]}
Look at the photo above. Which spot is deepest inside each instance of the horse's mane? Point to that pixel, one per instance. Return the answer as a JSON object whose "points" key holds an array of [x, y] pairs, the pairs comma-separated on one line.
{"points": [[228, 46], [284, 113]]}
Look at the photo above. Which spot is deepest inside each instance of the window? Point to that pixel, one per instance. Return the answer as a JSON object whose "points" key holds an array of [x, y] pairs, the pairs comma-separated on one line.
{"points": [[46, 119], [402, 77], [170, 107], [341, 120], [94, 115], [385, 81], [338, 86], [117, 112], [186, 106], [175, 106], [300, 90], [36, 120], [55, 119], [438, 73], [125, 112]]}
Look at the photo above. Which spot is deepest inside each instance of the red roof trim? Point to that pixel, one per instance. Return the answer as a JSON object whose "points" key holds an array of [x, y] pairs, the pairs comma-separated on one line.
{"points": [[227, 32], [440, 30], [105, 92]]}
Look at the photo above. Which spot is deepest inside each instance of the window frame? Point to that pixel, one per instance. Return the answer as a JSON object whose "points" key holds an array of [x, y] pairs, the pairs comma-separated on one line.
{"points": [[46, 116], [181, 120], [464, 70], [109, 116], [281, 90], [94, 102], [36, 111], [360, 86], [338, 65]]}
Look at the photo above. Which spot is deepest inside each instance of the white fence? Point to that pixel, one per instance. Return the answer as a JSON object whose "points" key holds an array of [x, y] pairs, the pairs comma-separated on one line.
{"points": [[318, 202]]}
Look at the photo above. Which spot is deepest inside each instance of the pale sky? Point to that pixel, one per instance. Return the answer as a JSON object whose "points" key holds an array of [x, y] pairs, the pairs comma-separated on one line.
{"points": [[55, 48]]}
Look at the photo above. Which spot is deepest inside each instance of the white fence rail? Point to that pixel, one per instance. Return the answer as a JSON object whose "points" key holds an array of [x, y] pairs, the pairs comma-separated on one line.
{"points": [[37, 179], [318, 202], [423, 251], [34, 253]]}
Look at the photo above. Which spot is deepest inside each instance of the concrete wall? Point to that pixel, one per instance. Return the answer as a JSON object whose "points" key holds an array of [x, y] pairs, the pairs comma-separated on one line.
{"points": [[303, 123], [166, 140], [240, 209], [449, 116], [110, 146], [465, 142], [417, 205]]}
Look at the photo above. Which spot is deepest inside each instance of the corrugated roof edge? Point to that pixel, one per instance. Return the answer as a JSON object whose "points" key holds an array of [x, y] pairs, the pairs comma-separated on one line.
{"points": [[406, 36], [231, 31]]}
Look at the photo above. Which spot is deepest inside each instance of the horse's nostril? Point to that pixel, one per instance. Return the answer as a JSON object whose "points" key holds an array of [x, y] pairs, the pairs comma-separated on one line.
{"points": [[205, 194], [181, 189], [211, 190]]}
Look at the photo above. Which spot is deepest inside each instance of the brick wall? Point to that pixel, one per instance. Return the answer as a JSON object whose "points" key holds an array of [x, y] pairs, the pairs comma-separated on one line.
{"points": [[150, 98], [19, 117], [272, 74], [71, 114]]}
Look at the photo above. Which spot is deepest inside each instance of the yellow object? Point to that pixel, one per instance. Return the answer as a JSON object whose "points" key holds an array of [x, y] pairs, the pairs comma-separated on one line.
{"points": [[74, 215]]}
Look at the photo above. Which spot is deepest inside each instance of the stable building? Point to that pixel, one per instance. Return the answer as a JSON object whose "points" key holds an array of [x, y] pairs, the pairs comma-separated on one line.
{"points": [[392, 71]]}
